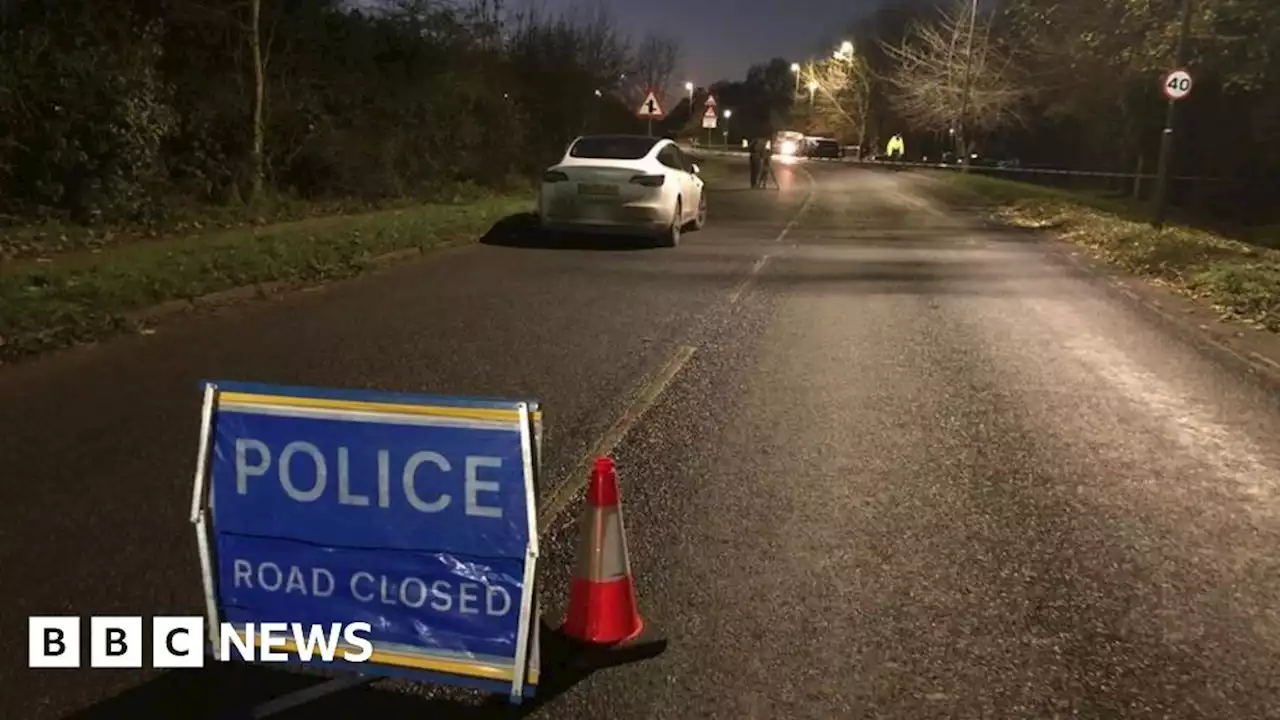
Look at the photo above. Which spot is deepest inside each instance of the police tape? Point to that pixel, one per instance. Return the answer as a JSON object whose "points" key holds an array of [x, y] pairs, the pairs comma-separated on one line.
{"points": [[178, 641], [725, 152], [1017, 169]]}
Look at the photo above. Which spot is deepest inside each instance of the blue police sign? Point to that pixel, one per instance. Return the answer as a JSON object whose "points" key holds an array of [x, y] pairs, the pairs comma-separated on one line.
{"points": [[414, 514]]}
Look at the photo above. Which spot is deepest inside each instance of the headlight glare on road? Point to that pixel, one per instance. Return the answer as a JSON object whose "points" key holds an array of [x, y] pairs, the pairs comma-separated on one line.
{"points": [[787, 147]]}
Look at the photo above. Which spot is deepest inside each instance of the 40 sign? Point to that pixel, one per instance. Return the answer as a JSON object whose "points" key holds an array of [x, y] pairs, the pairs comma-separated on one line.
{"points": [[1177, 84]]}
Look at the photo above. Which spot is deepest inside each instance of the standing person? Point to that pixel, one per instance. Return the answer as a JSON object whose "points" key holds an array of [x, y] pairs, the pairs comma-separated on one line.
{"points": [[766, 164], [896, 149], [754, 162]]}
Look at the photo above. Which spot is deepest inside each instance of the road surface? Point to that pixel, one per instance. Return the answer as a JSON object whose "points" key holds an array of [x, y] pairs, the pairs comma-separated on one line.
{"points": [[900, 466]]}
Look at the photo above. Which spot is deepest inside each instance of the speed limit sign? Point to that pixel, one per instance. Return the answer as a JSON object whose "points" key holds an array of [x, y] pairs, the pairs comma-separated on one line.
{"points": [[1177, 84]]}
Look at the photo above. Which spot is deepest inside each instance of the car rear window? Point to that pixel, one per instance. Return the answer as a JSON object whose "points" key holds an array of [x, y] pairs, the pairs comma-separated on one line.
{"points": [[612, 147]]}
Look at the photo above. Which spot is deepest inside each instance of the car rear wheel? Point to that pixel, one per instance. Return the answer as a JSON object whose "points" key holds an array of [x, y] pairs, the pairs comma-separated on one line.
{"points": [[701, 218], [671, 236]]}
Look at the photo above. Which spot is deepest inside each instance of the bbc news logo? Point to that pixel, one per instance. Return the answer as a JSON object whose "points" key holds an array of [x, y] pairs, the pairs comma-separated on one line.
{"points": [[179, 642]]}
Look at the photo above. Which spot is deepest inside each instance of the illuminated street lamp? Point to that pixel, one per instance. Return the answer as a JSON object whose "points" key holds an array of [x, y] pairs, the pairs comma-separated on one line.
{"points": [[795, 70], [689, 88], [813, 88]]}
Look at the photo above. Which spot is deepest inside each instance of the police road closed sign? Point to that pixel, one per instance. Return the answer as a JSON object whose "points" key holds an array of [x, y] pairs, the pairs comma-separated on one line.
{"points": [[413, 514], [1177, 84]]}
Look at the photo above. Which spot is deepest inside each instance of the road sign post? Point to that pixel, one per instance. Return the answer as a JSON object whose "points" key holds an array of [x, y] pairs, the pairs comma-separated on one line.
{"points": [[709, 122], [709, 117], [415, 514], [1176, 86]]}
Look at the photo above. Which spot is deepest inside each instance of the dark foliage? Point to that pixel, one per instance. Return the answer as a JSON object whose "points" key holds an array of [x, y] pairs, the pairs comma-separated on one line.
{"points": [[119, 111]]}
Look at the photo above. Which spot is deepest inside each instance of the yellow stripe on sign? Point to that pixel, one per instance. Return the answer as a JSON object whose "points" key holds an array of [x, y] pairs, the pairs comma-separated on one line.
{"points": [[417, 662], [487, 414]]}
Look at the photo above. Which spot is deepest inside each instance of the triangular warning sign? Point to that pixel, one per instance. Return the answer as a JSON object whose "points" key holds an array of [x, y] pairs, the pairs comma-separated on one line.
{"points": [[650, 106], [711, 101], [710, 113]]}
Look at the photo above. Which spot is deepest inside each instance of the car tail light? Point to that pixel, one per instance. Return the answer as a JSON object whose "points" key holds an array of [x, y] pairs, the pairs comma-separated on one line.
{"points": [[554, 176], [649, 180]]}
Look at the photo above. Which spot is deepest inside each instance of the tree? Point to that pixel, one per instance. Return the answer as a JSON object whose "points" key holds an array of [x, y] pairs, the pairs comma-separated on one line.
{"points": [[840, 93], [953, 75], [1099, 62], [257, 132], [653, 64], [123, 112], [772, 86]]}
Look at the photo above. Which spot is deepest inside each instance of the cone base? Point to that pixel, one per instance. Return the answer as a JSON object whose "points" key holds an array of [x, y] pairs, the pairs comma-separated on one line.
{"points": [[603, 613]]}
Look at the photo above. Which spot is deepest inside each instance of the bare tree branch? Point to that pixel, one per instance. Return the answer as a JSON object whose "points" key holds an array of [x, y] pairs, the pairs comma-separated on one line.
{"points": [[655, 62], [951, 77], [838, 88]]}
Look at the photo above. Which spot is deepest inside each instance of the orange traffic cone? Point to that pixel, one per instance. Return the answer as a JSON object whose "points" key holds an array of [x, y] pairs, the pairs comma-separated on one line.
{"points": [[602, 598]]}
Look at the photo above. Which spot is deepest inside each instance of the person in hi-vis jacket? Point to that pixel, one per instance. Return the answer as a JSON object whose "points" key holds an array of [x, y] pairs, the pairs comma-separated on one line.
{"points": [[896, 148]]}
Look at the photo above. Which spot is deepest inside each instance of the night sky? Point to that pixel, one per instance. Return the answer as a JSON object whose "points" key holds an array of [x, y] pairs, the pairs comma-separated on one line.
{"points": [[720, 39]]}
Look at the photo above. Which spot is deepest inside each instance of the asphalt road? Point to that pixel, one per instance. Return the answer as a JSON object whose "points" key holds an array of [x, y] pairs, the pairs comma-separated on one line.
{"points": [[912, 468]]}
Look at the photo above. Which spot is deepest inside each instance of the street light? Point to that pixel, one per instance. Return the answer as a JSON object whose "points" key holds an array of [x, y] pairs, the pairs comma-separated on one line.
{"points": [[813, 88], [727, 114], [689, 87], [795, 70]]}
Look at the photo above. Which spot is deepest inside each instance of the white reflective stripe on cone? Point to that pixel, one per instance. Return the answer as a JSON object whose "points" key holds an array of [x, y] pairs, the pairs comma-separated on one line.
{"points": [[602, 555]]}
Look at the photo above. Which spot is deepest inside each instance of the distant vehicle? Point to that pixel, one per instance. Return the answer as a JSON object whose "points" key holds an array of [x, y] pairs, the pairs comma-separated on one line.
{"points": [[788, 143], [623, 184], [823, 148]]}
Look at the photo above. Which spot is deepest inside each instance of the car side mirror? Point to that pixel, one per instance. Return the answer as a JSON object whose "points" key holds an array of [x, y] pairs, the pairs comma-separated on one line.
{"points": [[696, 170]]}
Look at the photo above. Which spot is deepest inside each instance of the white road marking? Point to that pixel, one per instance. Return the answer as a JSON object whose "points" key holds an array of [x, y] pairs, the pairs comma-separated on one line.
{"points": [[549, 511], [741, 287], [813, 193], [644, 400], [751, 274]]}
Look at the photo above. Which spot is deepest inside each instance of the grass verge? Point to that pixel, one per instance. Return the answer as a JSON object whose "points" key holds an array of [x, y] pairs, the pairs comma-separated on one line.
{"points": [[1241, 280], [88, 296], [176, 217], [713, 171]]}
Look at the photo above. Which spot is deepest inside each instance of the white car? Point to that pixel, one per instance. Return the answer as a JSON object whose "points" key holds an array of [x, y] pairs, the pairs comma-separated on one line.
{"points": [[624, 184]]}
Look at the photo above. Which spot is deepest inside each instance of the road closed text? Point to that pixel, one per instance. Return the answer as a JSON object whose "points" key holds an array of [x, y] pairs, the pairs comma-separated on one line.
{"points": [[446, 596]]}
